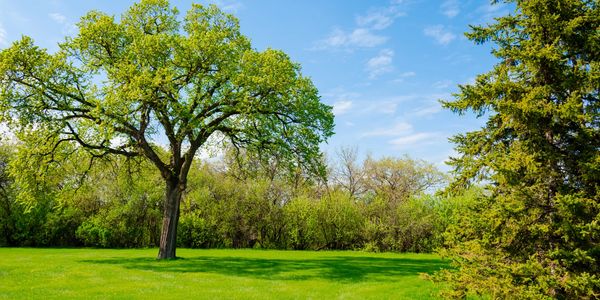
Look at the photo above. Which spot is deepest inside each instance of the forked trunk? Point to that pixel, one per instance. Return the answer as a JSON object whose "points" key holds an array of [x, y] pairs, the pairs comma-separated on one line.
{"points": [[168, 236]]}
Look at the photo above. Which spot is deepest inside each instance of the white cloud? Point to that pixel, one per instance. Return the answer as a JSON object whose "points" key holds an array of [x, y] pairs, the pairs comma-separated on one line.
{"points": [[382, 17], [231, 6], [428, 104], [360, 37], [365, 38], [342, 100], [408, 74], [58, 18], [429, 110], [388, 107], [400, 128], [458, 58], [380, 64], [450, 8], [441, 35], [489, 11], [2, 35], [68, 27], [403, 136], [363, 35], [375, 20], [403, 76], [341, 107], [414, 139], [442, 84]]}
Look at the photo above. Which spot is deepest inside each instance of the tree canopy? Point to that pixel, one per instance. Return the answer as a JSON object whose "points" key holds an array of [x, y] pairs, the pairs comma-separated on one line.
{"points": [[122, 85], [536, 234]]}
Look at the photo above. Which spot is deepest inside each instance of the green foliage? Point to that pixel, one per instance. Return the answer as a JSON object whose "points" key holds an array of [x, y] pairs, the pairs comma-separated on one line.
{"points": [[124, 204], [535, 234], [117, 203], [419, 224], [397, 179], [414, 225], [120, 83], [7, 197], [198, 232], [300, 223], [134, 223], [339, 221]]}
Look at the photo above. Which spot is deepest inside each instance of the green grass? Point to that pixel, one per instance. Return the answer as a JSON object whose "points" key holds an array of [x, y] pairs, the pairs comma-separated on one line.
{"points": [[209, 274]]}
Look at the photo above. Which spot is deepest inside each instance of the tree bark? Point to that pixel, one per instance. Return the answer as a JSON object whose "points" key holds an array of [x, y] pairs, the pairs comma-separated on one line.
{"points": [[168, 237]]}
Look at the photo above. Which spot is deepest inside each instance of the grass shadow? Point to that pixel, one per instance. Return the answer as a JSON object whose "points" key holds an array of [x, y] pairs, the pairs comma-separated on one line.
{"points": [[334, 268]]}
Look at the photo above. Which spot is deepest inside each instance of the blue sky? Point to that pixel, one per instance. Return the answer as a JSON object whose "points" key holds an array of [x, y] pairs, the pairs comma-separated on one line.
{"points": [[382, 65]]}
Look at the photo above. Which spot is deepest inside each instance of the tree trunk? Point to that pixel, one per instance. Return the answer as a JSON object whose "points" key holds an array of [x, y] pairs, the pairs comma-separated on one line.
{"points": [[168, 236]]}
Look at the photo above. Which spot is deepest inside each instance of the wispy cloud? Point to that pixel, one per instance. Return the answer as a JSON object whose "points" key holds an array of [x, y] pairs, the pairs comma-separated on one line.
{"points": [[385, 107], [375, 20], [380, 64], [58, 18], [442, 84], [458, 58], [364, 34], [408, 74], [358, 38], [403, 135], [427, 110], [415, 139], [440, 34], [403, 76], [380, 18], [400, 128], [2, 35], [389, 105], [487, 12], [450, 8], [68, 27], [341, 99], [231, 6], [341, 107], [428, 105]]}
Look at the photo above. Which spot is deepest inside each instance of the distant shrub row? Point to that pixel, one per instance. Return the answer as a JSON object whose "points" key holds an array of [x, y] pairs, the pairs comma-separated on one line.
{"points": [[229, 205]]}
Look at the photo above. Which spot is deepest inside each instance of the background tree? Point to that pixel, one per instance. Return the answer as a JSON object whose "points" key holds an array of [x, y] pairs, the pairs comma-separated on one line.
{"points": [[121, 85], [348, 174], [7, 196], [397, 179], [537, 233]]}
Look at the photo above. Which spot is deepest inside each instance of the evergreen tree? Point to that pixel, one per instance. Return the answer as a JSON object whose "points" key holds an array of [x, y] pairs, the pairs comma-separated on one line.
{"points": [[536, 234]]}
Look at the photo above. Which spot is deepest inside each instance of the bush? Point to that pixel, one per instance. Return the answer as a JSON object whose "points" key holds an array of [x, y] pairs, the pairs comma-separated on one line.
{"points": [[339, 222], [300, 221]]}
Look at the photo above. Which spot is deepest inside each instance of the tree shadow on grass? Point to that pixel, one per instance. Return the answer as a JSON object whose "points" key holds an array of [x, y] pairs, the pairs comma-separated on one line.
{"points": [[335, 268]]}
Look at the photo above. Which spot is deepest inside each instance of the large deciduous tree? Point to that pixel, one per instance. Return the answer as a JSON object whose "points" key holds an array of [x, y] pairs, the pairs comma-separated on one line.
{"points": [[537, 234], [123, 84]]}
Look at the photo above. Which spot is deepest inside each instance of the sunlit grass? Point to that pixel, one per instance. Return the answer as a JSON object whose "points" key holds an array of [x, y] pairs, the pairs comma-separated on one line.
{"points": [[209, 274]]}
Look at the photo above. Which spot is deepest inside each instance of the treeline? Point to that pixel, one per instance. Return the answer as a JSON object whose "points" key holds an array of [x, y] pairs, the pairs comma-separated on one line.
{"points": [[241, 201]]}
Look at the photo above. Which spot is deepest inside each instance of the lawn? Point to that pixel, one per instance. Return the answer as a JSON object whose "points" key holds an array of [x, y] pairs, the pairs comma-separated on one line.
{"points": [[209, 274]]}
